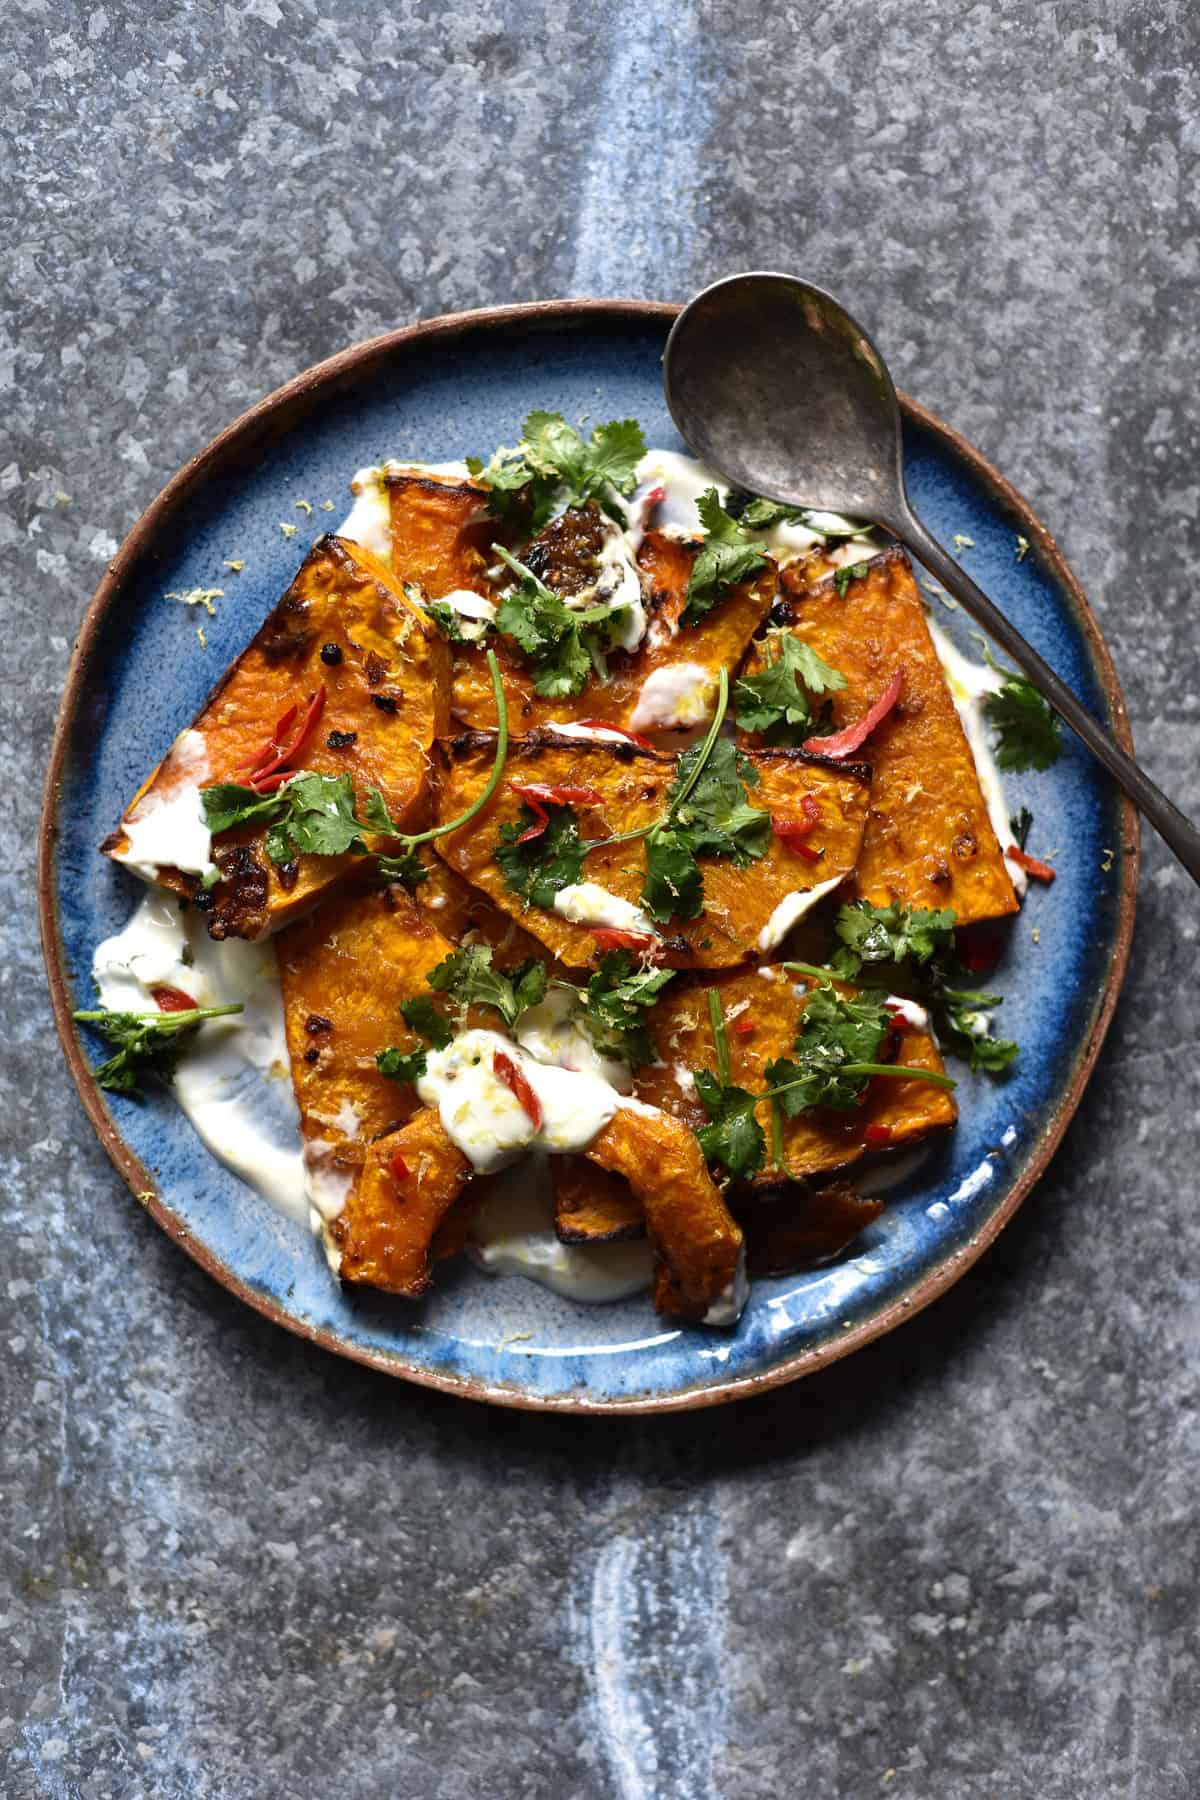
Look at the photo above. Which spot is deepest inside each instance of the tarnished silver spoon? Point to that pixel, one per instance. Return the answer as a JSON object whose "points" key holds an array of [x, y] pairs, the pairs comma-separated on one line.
{"points": [[781, 392]]}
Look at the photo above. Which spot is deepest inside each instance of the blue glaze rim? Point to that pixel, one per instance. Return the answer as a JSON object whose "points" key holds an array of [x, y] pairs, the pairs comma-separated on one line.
{"points": [[948, 479]]}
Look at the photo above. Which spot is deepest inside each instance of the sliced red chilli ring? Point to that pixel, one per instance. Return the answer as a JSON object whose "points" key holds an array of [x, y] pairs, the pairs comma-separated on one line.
{"points": [[793, 833], [876, 1136], [538, 795], [845, 743], [398, 1168], [1033, 866], [507, 1071], [308, 724], [270, 750], [172, 999]]}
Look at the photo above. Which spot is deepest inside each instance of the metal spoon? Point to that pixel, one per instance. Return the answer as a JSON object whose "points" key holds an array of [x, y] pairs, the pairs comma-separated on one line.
{"points": [[781, 392]]}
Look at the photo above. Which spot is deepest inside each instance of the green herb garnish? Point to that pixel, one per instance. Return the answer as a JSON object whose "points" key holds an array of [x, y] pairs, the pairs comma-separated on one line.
{"points": [[616, 1001], [1028, 730], [843, 577], [467, 977], [146, 1043], [539, 869], [727, 557], [778, 702], [733, 1137], [553, 467]]}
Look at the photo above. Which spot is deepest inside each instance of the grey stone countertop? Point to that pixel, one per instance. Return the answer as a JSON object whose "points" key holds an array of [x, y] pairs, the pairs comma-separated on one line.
{"points": [[963, 1563]]}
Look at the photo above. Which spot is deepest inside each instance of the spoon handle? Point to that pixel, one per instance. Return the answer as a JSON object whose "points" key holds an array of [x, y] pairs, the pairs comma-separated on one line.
{"points": [[1178, 833]]}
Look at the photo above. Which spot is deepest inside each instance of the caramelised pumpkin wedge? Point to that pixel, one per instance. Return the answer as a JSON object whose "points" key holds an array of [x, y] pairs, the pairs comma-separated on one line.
{"points": [[929, 841], [409, 1180], [441, 532], [344, 680], [462, 912], [345, 970], [762, 1011], [592, 1206], [794, 1227], [564, 898], [667, 683]]}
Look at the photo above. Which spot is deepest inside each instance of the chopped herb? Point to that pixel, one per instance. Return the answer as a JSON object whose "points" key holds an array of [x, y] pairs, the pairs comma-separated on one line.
{"points": [[146, 1043], [401, 1065], [844, 576], [760, 515], [540, 868], [1028, 730], [407, 868], [467, 976], [915, 953], [1020, 824], [617, 998], [733, 1137], [777, 702], [561, 643], [836, 1048], [726, 558], [553, 467], [423, 1017], [446, 620]]}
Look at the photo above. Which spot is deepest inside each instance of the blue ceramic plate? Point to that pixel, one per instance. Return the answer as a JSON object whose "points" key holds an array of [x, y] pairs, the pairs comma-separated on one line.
{"points": [[434, 392]]}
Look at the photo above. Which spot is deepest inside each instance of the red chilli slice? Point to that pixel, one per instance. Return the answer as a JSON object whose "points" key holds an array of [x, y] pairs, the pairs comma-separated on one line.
{"points": [[876, 1136], [793, 832], [1033, 866], [538, 795], [283, 757], [631, 737], [397, 1167], [172, 999], [844, 743], [743, 1027], [506, 1070], [268, 751]]}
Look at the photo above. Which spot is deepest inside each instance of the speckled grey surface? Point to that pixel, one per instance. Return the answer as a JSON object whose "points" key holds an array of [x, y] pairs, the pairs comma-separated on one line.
{"points": [[963, 1564]]}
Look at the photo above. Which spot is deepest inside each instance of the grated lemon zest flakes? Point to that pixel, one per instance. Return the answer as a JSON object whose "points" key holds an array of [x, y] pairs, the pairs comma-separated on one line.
{"points": [[197, 596], [1106, 862], [1022, 547], [305, 506], [289, 531], [236, 563], [963, 542]]}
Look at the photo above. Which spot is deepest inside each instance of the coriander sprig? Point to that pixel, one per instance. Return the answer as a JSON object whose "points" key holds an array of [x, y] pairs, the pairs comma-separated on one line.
{"points": [[146, 1043]]}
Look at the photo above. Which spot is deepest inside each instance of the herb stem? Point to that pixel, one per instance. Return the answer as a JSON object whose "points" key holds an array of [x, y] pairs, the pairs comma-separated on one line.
{"points": [[664, 823], [493, 781], [164, 1022], [830, 975], [776, 1134], [720, 1037]]}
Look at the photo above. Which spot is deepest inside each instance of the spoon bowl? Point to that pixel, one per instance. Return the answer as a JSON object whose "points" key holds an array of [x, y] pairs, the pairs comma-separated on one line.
{"points": [[782, 393]]}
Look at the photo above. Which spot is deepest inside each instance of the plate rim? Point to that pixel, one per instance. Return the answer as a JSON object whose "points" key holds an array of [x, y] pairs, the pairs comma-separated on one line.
{"points": [[322, 380]]}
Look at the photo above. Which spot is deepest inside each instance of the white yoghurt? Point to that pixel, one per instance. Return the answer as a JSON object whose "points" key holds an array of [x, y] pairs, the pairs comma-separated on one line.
{"points": [[232, 1080], [678, 695], [483, 1117], [970, 683], [513, 1234], [553, 1034], [167, 829], [587, 903]]}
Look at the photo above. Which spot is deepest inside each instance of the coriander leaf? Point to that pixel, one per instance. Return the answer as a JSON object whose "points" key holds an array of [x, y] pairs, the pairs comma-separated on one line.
{"points": [[401, 1065], [843, 577], [446, 620], [759, 515], [889, 934], [1020, 825], [406, 868], [608, 459], [1028, 731], [725, 558], [837, 1042], [376, 816], [617, 999], [468, 977], [776, 702], [714, 815], [423, 1017], [549, 633], [734, 1138], [145, 1043], [673, 887], [554, 860], [226, 804], [321, 819], [962, 1021]]}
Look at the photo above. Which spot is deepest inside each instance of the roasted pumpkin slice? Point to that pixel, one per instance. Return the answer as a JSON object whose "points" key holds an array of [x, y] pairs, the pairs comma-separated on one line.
{"points": [[929, 840], [746, 910], [345, 969], [441, 534], [762, 1009], [592, 1206], [795, 1227], [344, 651], [408, 1182], [462, 912], [667, 683], [701, 1274]]}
